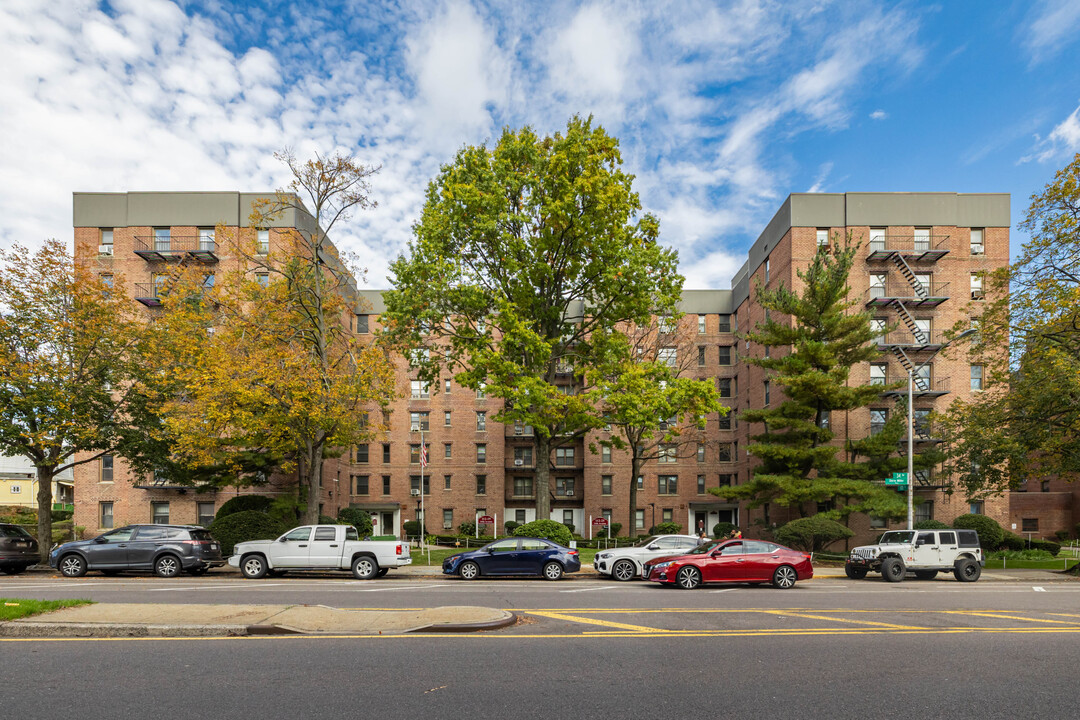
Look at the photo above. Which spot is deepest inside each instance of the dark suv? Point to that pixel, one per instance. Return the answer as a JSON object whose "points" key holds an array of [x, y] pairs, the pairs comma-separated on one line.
{"points": [[168, 550], [18, 549]]}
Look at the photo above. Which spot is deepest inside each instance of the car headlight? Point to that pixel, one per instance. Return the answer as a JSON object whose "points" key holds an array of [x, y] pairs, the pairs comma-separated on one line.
{"points": [[605, 555], [453, 559], [661, 566]]}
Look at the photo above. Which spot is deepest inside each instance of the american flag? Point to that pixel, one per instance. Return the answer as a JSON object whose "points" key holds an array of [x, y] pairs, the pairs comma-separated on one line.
{"points": [[423, 455]]}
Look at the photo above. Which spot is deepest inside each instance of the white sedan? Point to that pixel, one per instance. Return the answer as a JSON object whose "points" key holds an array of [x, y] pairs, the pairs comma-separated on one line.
{"points": [[628, 563]]}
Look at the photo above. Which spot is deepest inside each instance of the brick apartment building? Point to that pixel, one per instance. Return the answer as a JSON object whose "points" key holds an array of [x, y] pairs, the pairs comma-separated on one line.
{"points": [[918, 266]]}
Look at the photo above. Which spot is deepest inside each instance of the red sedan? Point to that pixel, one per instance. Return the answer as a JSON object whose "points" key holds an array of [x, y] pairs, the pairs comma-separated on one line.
{"points": [[735, 561]]}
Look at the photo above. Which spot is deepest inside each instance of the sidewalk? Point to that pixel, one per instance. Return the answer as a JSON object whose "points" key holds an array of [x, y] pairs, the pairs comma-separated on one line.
{"points": [[159, 620]]}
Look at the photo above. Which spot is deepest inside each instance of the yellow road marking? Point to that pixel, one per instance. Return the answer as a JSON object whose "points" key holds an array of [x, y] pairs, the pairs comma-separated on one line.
{"points": [[783, 613], [592, 621], [998, 616]]}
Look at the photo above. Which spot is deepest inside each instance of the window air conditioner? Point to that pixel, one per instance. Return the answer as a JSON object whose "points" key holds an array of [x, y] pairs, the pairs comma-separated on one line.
{"points": [[518, 462], [569, 493], [104, 249]]}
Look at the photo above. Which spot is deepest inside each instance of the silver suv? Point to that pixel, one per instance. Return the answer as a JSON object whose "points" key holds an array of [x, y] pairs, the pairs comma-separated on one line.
{"points": [[924, 552]]}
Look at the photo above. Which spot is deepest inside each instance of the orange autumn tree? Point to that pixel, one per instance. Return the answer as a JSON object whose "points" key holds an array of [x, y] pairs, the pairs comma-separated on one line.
{"points": [[65, 345]]}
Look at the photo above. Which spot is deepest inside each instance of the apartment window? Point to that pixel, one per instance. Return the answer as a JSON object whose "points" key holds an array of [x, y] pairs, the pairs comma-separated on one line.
{"points": [[447, 450], [523, 456], [878, 325], [727, 479], [419, 389], [977, 286], [922, 240], [825, 419], [564, 486], [767, 392], [1044, 486], [385, 484], [701, 452], [414, 483], [162, 239], [481, 453], [159, 513], [605, 454], [446, 418], [16, 489], [446, 481], [564, 457], [822, 237], [666, 324], [206, 239], [519, 517], [204, 513], [878, 416], [976, 507], [976, 377], [446, 386], [725, 324], [523, 487], [386, 453], [667, 515], [386, 419], [668, 356], [414, 452], [480, 394], [1029, 525], [701, 324], [700, 484], [877, 522], [924, 511], [481, 484], [878, 373], [725, 354], [105, 467], [361, 453], [447, 519], [522, 430], [605, 484], [361, 485], [419, 421], [878, 283], [606, 514], [263, 279], [977, 247], [158, 280], [107, 239], [362, 325], [725, 452], [640, 482], [208, 281], [481, 421], [766, 270], [701, 356], [667, 454], [724, 385], [262, 241], [105, 515], [667, 484], [877, 239], [724, 422]]}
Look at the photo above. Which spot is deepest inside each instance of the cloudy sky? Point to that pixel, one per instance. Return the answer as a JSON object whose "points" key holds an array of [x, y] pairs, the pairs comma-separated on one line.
{"points": [[722, 108]]}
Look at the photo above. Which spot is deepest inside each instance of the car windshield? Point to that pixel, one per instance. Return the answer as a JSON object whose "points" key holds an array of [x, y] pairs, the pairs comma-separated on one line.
{"points": [[704, 548], [896, 538], [647, 543], [14, 531]]}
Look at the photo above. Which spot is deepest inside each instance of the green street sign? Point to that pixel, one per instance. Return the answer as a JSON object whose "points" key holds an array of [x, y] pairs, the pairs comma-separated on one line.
{"points": [[898, 478]]}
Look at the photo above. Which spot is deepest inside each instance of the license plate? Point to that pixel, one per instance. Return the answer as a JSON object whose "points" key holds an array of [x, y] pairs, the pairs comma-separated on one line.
{"points": [[213, 546], [21, 544]]}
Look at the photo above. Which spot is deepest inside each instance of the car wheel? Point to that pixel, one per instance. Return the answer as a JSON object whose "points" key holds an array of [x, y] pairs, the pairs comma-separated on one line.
{"points": [[167, 566], [892, 569], [688, 578], [364, 567], [624, 570], [72, 566], [382, 571], [469, 571], [853, 572], [967, 570], [253, 567], [925, 574], [784, 577], [553, 571]]}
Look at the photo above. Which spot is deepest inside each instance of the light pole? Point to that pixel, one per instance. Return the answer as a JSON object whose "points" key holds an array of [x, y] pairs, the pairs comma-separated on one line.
{"points": [[911, 426], [423, 464], [653, 506]]}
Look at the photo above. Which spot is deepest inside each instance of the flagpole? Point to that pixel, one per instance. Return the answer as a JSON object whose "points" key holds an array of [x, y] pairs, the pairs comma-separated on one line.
{"points": [[423, 512]]}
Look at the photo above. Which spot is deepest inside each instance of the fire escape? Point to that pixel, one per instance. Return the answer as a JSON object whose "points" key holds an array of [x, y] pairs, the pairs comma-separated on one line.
{"points": [[161, 250]]}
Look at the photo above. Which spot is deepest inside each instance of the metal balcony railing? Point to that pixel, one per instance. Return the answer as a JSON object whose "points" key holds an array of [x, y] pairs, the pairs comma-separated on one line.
{"points": [[923, 387], [913, 248], [148, 294], [912, 342], [152, 248], [913, 294]]}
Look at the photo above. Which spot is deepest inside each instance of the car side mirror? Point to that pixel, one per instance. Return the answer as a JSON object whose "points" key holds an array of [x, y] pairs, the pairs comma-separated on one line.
{"points": [[717, 553], [653, 547], [101, 540]]}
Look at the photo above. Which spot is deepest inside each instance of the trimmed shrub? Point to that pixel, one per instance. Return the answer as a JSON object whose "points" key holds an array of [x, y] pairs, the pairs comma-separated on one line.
{"points": [[467, 528], [1021, 555], [62, 515], [327, 520], [549, 529], [614, 527], [359, 519], [931, 525], [722, 529], [990, 533], [570, 527], [1012, 541], [245, 525], [666, 528], [1061, 535], [511, 526], [240, 503], [811, 534], [1046, 545], [411, 528]]}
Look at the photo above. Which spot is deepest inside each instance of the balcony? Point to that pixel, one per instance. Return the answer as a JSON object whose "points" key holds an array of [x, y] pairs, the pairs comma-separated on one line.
{"points": [[925, 432], [912, 342], [155, 249], [148, 294], [923, 387], [913, 248], [911, 295]]}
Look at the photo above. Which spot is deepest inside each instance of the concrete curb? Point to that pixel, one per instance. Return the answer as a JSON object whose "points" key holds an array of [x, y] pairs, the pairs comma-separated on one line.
{"points": [[510, 619], [31, 629]]}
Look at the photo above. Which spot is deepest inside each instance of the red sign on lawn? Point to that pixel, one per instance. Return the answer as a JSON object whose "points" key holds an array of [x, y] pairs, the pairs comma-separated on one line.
{"points": [[600, 522], [485, 520]]}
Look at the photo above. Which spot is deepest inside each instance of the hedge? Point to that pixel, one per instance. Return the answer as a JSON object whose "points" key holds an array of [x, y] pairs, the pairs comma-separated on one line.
{"points": [[990, 533], [722, 529], [359, 519], [666, 528], [811, 534], [548, 529], [243, 526], [240, 503]]}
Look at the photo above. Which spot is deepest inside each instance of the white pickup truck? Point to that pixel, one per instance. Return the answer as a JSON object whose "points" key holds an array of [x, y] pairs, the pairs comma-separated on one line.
{"points": [[320, 547]]}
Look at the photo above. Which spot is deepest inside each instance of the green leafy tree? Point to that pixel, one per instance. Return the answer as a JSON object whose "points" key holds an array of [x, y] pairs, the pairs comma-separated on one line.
{"points": [[827, 337], [1026, 420], [65, 351], [544, 528], [526, 255], [812, 534]]}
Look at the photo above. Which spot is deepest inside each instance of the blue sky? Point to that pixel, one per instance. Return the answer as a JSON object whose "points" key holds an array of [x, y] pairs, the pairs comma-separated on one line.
{"points": [[722, 108]]}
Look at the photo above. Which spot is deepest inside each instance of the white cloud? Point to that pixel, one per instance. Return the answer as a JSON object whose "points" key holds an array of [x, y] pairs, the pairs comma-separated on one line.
{"points": [[879, 115], [1063, 140], [823, 175], [1051, 26]]}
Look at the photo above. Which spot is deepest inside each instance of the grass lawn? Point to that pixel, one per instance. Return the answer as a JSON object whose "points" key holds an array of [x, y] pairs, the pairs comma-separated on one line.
{"points": [[1055, 564], [439, 553], [15, 608]]}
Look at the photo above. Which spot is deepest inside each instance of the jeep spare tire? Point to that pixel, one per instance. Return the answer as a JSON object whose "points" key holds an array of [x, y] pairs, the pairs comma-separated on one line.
{"points": [[892, 569]]}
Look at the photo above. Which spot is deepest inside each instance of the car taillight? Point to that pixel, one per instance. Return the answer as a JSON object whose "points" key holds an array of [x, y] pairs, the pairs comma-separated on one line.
{"points": [[399, 550], [572, 552], [194, 542]]}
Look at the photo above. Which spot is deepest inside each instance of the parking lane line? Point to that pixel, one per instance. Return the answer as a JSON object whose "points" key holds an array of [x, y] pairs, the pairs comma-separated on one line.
{"points": [[605, 587], [999, 616], [827, 618], [594, 621]]}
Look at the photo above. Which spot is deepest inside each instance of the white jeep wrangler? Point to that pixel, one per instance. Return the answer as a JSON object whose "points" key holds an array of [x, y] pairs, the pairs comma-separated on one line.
{"points": [[924, 552]]}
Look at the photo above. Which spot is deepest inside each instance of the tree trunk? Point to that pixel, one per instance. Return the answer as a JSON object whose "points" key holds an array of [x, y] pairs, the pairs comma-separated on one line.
{"points": [[314, 491], [44, 511], [635, 470], [543, 477]]}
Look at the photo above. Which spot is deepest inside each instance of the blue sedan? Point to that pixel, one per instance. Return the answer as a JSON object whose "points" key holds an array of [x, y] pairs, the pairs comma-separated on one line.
{"points": [[514, 556]]}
